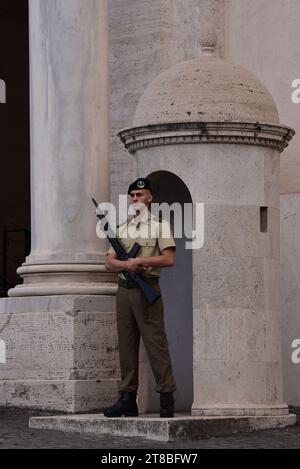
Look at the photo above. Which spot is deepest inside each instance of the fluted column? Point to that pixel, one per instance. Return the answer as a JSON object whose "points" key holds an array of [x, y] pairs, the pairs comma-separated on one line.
{"points": [[69, 147]]}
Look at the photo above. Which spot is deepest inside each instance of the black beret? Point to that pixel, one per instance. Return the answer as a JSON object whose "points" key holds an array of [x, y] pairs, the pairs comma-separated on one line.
{"points": [[140, 183]]}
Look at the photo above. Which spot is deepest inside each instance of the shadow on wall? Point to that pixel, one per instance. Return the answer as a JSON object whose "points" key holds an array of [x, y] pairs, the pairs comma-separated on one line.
{"points": [[176, 285]]}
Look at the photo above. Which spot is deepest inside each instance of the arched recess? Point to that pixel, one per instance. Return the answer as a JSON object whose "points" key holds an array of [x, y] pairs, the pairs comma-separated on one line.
{"points": [[176, 284]]}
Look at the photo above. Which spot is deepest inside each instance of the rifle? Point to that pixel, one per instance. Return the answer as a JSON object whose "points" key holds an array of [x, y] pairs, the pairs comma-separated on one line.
{"points": [[151, 294]]}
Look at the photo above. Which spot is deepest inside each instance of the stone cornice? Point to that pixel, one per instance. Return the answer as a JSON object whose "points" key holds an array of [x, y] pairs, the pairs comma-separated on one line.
{"points": [[270, 135]]}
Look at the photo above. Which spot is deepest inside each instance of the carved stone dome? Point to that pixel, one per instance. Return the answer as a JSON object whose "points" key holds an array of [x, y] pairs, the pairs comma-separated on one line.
{"points": [[204, 90], [206, 100]]}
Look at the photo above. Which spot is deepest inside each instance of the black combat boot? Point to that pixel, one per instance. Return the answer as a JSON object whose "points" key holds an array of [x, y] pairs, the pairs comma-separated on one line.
{"points": [[167, 406], [126, 405]]}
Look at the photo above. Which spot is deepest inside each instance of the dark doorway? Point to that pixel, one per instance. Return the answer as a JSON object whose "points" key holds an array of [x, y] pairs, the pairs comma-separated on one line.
{"points": [[15, 151], [177, 290]]}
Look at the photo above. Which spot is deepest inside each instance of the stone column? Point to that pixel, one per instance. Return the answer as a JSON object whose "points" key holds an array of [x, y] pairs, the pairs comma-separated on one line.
{"points": [[59, 326], [69, 147]]}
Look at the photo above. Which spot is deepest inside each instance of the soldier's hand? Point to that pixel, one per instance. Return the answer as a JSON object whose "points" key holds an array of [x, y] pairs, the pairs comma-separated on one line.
{"points": [[133, 264], [141, 269]]}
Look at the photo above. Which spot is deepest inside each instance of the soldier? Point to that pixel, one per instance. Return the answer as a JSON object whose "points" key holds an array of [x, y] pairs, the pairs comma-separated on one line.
{"points": [[135, 316]]}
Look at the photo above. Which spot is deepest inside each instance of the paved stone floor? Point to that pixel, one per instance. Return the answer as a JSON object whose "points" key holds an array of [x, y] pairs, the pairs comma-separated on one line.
{"points": [[14, 433]]}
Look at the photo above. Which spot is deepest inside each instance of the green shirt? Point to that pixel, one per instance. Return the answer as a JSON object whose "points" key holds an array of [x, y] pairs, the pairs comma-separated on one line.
{"points": [[153, 236]]}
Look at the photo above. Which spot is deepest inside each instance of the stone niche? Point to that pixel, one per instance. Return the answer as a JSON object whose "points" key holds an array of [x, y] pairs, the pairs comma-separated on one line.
{"points": [[215, 126]]}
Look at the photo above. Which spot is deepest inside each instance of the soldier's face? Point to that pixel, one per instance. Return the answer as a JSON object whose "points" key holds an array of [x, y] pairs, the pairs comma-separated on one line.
{"points": [[143, 196]]}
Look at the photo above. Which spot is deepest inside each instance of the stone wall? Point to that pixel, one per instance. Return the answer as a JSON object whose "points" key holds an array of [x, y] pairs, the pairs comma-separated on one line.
{"points": [[264, 36]]}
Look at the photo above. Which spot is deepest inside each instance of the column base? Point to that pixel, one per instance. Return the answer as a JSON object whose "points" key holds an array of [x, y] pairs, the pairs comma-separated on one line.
{"points": [[241, 410], [64, 279], [61, 352]]}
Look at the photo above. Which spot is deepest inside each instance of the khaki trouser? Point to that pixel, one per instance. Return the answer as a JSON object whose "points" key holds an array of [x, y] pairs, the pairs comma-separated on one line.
{"points": [[136, 317]]}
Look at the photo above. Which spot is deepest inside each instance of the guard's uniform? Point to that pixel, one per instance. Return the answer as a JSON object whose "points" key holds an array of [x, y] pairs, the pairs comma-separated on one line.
{"points": [[135, 316]]}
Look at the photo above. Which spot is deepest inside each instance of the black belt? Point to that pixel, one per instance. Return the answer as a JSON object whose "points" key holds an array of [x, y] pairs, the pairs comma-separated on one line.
{"points": [[131, 284]]}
